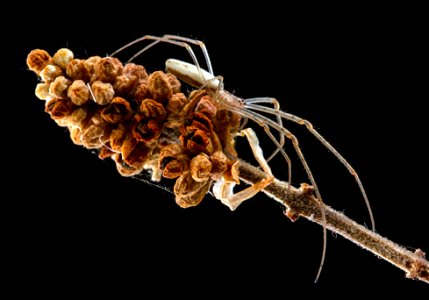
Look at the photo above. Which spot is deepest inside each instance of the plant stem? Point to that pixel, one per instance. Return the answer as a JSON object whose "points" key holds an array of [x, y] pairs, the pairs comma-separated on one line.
{"points": [[301, 202]]}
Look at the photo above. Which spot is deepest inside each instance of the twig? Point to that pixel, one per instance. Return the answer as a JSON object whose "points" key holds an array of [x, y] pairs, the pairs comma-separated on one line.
{"points": [[301, 202]]}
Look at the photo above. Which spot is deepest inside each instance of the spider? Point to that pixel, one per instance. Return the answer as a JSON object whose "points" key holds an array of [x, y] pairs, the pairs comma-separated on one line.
{"points": [[248, 109]]}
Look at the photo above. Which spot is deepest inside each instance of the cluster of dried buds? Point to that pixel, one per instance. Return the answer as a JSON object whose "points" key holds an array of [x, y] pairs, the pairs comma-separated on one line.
{"points": [[140, 120]]}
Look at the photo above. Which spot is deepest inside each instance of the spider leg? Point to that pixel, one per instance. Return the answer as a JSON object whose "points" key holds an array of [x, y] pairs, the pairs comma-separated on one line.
{"points": [[267, 122], [195, 42], [315, 133], [276, 105], [223, 190], [175, 40]]}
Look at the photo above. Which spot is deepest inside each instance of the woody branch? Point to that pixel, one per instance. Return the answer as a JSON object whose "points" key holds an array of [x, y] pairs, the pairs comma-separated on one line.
{"points": [[301, 202]]}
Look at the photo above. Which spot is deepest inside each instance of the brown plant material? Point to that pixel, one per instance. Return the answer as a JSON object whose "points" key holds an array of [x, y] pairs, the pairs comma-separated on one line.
{"points": [[200, 167], [190, 192], [174, 83], [76, 135], [119, 110], [202, 121], [79, 118], [197, 141], [176, 103], [141, 92], [77, 70], [207, 106], [105, 152], [225, 123], [78, 92], [42, 91], [152, 109], [59, 86], [194, 97], [219, 164], [159, 86], [62, 58], [132, 69], [134, 153], [172, 161], [146, 130], [59, 108], [37, 60], [107, 69], [50, 72], [103, 92], [117, 137], [124, 84], [91, 136], [123, 168], [90, 63]]}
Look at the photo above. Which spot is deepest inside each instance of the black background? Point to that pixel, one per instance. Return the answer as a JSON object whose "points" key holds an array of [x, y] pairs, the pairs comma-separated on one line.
{"points": [[359, 74]]}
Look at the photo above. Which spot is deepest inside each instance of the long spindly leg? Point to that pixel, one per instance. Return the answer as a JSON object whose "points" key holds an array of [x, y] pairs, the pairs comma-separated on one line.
{"points": [[175, 40], [157, 40], [223, 190], [276, 105], [195, 42], [264, 122], [334, 151]]}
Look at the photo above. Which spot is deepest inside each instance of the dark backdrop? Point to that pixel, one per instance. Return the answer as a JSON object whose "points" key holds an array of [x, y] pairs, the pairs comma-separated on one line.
{"points": [[359, 74]]}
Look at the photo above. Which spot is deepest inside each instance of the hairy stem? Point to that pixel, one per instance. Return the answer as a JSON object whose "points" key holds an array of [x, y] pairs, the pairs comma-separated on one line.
{"points": [[301, 202]]}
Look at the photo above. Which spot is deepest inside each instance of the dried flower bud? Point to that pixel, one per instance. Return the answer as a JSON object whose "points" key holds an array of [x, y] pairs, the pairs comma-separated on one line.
{"points": [[134, 153], [198, 141], [42, 92], [172, 151], [63, 57], [152, 109], [119, 110], [177, 102], [79, 118], [76, 135], [59, 108], [103, 92], [174, 82], [50, 72], [219, 163], [228, 119], [96, 117], [135, 70], [200, 167], [172, 161], [173, 169], [124, 84], [90, 63], [159, 86], [59, 86], [117, 137], [77, 70], [146, 130], [78, 92], [37, 60], [207, 106], [141, 92], [188, 191], [201, 121], [123, 168], [91, 136], [194, 97], [107, 69], [105, 153]]}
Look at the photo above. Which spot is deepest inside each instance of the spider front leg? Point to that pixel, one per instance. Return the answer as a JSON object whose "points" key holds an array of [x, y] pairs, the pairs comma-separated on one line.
{"points": [[223, 189]]}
